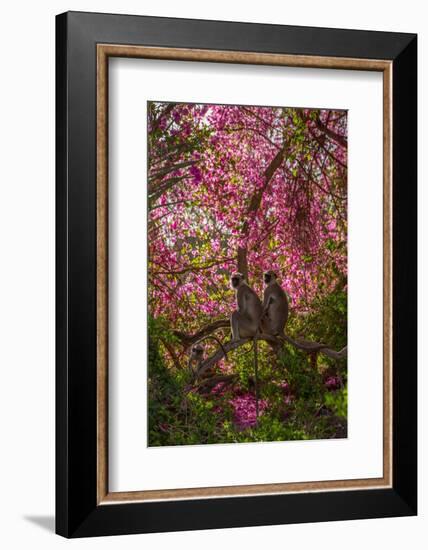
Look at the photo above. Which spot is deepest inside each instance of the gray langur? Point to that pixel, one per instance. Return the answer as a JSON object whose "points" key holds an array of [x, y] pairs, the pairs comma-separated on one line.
{"points": [[246, 319], [195, 359], [275, 306], [197, 356]]}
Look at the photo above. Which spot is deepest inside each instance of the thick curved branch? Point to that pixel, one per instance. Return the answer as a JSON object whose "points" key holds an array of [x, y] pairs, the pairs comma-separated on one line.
{"points": [[303, 345], [315, 347], [337, 355], [171, 168], [188, 339], [219, 354], [212, 337]]}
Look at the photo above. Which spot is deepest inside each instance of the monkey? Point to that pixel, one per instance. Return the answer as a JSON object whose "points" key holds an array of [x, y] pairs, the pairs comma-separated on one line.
{"points": [[246, 319], [275, 306], [196, 357]]}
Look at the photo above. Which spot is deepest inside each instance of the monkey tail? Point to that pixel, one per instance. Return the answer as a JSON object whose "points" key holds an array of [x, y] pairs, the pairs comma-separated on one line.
{"points": [[256, 373]]}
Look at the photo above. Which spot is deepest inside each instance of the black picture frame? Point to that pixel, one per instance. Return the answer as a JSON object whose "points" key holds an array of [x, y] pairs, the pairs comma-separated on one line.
{"points": [[77, 511]]}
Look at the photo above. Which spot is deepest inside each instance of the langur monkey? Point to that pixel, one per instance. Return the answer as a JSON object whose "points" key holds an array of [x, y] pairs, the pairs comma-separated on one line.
{"points": [[196, 357], [246, 319], [275, 306]]}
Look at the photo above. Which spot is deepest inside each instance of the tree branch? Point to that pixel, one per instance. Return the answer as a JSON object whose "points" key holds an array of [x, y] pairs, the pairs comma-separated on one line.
{"points": [[166, 184], [303, 345], [164, 171], [164, 113], [313, 347], [339, 139], [188, 339], [173, 355], [194, 267], [254, 205]]}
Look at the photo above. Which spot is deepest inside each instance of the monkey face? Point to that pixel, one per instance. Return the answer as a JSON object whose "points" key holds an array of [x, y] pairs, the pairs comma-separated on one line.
{"points": [[269, 276], [236, 280], [197, 352]]}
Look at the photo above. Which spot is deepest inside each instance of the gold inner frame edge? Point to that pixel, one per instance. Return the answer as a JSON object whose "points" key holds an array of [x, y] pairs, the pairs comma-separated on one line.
{"points": [[104, 51]]}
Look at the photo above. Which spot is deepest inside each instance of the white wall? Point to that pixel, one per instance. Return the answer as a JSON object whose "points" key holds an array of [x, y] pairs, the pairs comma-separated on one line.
{"points": [[27, 272]]}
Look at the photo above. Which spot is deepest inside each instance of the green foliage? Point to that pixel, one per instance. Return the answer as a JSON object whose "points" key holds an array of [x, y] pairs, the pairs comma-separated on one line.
{"points": [[338, 402], [295, 401], [326, 321]]}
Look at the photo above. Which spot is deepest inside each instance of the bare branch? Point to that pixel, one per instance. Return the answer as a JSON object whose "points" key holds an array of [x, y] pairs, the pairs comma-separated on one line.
{"points": [[303, 345], [231, 345], [312, 347], [155, 192], [188, 339], [164, 171], [195, 267], [341, 140], [212, 337]]}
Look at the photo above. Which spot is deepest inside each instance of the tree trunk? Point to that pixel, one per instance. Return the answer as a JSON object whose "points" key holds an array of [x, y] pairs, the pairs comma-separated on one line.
{"points": [[243, 262], [256, 199]]}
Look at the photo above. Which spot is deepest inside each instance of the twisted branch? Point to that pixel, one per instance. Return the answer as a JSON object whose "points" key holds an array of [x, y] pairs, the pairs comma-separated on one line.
{"points": [[308, 347], [188, 339], [274, 341]]}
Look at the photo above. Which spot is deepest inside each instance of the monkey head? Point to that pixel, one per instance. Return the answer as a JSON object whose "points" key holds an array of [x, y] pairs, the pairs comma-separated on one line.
{"points": [[197, 352], [195, 359], [269, 276], [236, 280]]}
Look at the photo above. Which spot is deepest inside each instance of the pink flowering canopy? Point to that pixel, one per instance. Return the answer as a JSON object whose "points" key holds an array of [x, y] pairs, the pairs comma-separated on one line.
{"points": [[243, 188]]}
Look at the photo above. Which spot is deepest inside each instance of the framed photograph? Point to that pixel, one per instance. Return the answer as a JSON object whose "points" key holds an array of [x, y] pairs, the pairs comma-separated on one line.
{"points": [[236, 274]]}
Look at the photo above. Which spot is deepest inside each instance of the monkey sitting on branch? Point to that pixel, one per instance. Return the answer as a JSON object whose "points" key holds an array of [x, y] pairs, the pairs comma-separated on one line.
{"points": [[275, 316], [245, 321], [275, 306]]}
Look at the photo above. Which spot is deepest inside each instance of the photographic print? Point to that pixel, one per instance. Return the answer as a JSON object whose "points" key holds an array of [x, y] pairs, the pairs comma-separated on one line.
{"points": [[247, 273]]}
